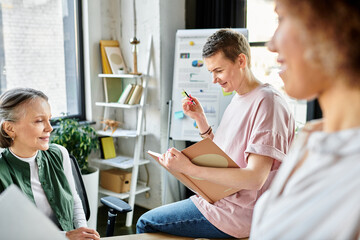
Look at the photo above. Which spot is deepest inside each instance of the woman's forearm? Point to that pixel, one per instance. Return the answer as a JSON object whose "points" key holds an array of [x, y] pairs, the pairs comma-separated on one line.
{"points": [[250, 178], [204, 126]]}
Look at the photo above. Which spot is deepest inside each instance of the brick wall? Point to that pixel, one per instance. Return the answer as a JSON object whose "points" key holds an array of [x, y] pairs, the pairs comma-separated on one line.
{"points": [[34, 48]]}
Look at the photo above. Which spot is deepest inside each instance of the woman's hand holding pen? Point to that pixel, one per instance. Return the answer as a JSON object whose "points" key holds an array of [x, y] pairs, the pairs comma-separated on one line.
{"points": [[192, 107], [196, 112], [174, 160]]}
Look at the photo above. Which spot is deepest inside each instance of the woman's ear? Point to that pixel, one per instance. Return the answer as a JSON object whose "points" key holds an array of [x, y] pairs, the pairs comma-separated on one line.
{"points": [[8, 127], [242, 60]]}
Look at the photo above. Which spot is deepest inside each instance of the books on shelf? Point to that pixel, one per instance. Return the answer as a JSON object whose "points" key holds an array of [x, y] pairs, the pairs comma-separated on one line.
{"points": [[112, 89], [125, 95], [131, 94], [107, 147], [104, 60], [136, 95], [204, 153]]}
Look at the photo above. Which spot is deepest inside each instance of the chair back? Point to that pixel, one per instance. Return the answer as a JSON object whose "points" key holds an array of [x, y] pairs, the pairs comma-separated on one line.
{"points": [[80, 187]]}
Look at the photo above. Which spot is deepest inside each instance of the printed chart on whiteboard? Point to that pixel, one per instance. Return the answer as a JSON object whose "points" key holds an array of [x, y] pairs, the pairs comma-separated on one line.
{"points": [[191, 75]]}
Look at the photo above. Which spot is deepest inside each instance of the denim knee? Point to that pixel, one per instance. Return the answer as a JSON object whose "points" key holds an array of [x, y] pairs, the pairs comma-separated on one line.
{"points": [[140, 226], [143, 225]]}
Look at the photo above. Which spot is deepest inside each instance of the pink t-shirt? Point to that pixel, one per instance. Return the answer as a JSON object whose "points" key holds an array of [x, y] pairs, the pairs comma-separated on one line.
{"points": [[257, 122]]}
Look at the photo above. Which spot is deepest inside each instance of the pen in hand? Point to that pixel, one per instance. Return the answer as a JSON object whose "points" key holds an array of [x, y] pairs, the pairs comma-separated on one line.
{"points": [[193, 102]]}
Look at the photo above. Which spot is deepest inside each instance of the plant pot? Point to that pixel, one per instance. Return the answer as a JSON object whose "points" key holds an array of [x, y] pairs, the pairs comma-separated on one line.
{"points": [[91, 182]]}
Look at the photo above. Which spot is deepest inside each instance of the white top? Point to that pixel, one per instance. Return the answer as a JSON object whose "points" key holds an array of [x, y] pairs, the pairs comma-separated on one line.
{"points": [[39, 194], [321, 200]]}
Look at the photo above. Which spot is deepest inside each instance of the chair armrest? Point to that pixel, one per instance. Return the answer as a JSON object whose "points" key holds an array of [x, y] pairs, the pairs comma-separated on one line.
{"points": [[116, 204]]}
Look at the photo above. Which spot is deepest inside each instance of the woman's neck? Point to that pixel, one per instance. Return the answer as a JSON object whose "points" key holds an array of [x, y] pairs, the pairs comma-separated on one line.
{"points": [[248, 83], [341, 107], [22, 153]]}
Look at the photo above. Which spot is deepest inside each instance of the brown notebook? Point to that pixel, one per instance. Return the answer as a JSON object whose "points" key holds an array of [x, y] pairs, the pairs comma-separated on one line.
{"points": [[205, 153]]}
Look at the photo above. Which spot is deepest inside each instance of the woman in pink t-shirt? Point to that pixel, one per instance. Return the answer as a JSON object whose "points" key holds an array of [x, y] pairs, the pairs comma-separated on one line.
{"points": [[256, 131]]}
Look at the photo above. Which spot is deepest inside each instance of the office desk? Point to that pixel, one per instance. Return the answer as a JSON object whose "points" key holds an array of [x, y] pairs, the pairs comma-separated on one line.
{"points": [[152, 236], [147, 236]]}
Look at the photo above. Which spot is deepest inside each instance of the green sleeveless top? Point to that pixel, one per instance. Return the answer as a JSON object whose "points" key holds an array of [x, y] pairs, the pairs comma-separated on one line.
{"points": [[52, 178]]}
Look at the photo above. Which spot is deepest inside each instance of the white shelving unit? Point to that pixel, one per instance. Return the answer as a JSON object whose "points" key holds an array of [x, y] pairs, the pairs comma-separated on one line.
{"points": [[127, 162]]}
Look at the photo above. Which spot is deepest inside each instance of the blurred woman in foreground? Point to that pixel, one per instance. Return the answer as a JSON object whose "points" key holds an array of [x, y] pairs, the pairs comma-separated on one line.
{"points": [[316, 192]]}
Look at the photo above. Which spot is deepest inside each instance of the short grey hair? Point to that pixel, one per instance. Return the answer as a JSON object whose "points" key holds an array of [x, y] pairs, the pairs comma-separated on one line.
{"points": [[9, 111]]}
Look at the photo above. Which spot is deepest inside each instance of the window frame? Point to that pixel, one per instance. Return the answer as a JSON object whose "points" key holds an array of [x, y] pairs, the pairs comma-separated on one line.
{"points": [[79, 75], [80, 63], [313, 109]]}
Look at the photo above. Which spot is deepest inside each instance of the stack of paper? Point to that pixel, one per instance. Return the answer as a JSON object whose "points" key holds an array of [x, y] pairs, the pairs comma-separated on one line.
{"points": [[120, 162]]}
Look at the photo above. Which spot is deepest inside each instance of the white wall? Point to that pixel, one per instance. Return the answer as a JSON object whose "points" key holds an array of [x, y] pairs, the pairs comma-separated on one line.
{"points": [[172, 17], [110, 19]]}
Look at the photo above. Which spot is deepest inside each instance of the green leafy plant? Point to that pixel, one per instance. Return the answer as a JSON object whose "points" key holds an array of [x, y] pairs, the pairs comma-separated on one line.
{"points": [[79, 139]]}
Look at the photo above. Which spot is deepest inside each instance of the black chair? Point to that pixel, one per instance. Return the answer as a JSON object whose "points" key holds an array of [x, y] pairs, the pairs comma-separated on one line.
{"points": [[114, 204]]}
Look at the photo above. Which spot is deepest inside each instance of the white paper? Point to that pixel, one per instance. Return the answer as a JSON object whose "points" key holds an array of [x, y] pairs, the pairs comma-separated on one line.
{"points": [[20, 219], [154, 153], [120, 162], [115, 59]]}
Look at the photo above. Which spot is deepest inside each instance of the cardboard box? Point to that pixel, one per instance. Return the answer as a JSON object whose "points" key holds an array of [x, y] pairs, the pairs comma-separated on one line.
{"points": [[115, 180]]}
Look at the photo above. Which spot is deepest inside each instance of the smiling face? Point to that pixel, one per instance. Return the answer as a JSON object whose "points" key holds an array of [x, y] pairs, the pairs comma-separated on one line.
{"points": [[226, 73], [32, 131], [302, 79]]}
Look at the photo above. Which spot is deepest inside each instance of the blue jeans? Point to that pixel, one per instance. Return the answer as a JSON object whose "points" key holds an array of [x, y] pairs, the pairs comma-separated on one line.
{"points": [[180, 218]]}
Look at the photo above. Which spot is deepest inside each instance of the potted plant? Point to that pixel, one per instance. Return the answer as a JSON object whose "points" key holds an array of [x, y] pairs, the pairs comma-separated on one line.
{"points": [[80, 140]]}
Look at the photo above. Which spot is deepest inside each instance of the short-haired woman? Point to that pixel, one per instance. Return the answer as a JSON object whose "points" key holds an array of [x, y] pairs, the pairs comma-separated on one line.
{"points": [[255, 131]]}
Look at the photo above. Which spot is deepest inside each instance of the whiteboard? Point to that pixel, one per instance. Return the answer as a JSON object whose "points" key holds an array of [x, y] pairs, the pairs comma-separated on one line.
{"points": [[191, 74]]}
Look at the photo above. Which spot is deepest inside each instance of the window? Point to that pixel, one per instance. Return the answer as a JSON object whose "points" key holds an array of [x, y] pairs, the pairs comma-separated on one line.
{"points": [[40, 48], [261, 21], [259, 18]]}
